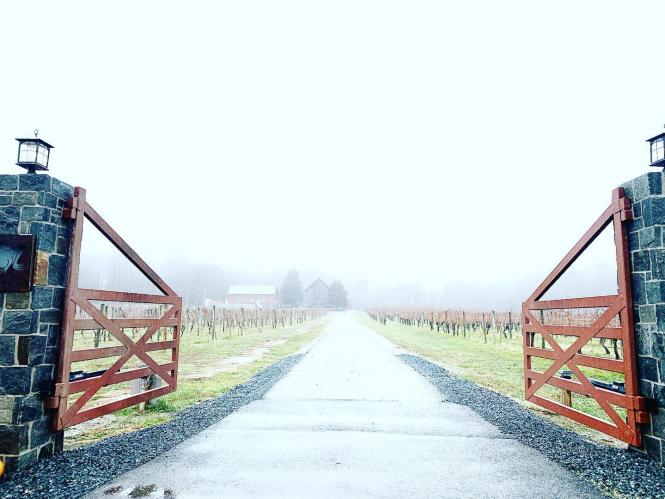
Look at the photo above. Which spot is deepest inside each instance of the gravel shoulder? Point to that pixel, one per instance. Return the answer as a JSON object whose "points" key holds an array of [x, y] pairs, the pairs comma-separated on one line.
{"points": [[617, 472], [74, 473]]}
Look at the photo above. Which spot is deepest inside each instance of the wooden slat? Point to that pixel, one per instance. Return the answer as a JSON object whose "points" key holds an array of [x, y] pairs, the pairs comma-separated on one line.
{"points": [[614, 333], [624, 434], [123, 296], [88, 324], [121, 377], [613, 365], [573, 386], [101, 353], [95, 412], [568, 303]]}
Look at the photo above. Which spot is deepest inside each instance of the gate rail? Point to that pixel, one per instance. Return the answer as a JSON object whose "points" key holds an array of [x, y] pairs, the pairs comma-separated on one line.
{"points": [[169, 305], [619, 305]]}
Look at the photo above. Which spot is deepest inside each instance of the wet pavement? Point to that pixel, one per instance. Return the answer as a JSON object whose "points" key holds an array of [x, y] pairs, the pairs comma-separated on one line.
{"points": [[350, 420]]}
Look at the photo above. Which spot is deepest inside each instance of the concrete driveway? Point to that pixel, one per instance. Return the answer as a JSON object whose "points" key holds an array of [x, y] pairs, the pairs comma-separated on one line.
{"points": [[350, 420]]}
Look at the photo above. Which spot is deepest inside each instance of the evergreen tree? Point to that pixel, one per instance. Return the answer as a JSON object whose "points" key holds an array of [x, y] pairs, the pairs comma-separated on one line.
{"points": [[337, 296], [291, 291]]}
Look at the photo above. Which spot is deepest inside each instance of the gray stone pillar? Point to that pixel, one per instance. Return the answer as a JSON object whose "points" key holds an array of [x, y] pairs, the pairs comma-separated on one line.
{"points": [[646, 243], [30, 322]]}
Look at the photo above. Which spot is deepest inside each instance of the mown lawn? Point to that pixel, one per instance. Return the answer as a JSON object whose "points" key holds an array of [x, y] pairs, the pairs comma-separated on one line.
{"points": [[207, 369], [497, 365]]}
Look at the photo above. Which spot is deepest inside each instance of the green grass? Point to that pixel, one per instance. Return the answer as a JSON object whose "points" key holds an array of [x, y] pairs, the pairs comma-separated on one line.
{"points": [[207, 369], [497, 365]]}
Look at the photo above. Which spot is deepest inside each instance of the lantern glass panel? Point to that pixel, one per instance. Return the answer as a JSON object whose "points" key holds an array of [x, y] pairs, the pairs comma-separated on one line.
{"points": [[658, 150], [27, 152], [42, 155]]}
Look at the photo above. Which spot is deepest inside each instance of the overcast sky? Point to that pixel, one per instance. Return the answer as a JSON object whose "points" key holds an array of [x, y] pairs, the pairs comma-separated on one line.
{"points": [[393, 142]]}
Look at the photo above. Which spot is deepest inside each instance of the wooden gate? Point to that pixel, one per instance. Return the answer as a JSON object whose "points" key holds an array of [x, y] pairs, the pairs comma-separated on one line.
{"points": [[614, 322], [81, 314]]}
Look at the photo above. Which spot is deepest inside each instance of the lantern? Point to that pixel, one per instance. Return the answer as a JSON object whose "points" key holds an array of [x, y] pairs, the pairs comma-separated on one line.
{"points": [[33, 154]]}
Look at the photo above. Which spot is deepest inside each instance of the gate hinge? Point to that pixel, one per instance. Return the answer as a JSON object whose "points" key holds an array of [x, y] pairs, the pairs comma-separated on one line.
{"points": [[73, 206], [53, 401], [641, 407], [626, 209]]}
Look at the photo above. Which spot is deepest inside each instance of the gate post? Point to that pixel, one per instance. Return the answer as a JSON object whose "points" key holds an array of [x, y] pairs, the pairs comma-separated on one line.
{"points": [[646, 244], [30, 321]]}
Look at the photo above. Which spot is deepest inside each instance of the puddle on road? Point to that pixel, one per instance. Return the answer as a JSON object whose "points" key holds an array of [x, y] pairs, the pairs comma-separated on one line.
{"points": [[140, 491]]}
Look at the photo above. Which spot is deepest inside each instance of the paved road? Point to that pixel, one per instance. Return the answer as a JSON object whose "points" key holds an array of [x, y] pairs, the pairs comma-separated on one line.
{"points": [[351, 420]]}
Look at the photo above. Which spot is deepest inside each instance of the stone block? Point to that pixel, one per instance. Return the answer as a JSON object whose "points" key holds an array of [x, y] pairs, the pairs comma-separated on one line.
{"points": [[51, 354], [7, 349], [19, 322], [42, 297], [655, 291], [46, 234], [14, 380], [657, 257], [647, 185], [658, 393], [13, 438], [47, 199], [41, 268], [27, 458], [642, 340], [633, 241], [23, 350], [50, 316], [37, 350], [35, 214], [17, 300], [653, 211], [647, 313], [42, 379], [658, 344], [40, 433], [647, 368], [638, 287], [24, 199], [58, 297], [57, 270], [8, 182], [60, 189], [31, 408], [62, 246], [650, 237], [5, 200], [34, 182], [641, 261], [46, 450], [9, 219], [652, 446]]}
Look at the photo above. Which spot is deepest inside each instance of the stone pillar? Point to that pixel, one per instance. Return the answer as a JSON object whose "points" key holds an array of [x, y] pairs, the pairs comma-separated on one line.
{"points": [[30, 322], [646, 243]]}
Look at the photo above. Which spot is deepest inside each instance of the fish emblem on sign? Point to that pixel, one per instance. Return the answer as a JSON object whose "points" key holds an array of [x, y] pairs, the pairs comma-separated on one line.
{"points": [[9, 259], [17, 255]]}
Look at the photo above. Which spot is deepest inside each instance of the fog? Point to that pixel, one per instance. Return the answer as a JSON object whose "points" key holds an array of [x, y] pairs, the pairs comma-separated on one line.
{"points": [[424, 153]]}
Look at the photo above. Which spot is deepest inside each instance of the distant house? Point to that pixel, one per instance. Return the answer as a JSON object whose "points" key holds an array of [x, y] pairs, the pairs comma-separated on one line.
{"points": [[252, 296], [316, 295]]}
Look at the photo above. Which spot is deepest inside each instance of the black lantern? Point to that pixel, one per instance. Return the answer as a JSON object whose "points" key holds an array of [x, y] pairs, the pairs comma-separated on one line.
{"points": [[657, 145], [33, 154]]}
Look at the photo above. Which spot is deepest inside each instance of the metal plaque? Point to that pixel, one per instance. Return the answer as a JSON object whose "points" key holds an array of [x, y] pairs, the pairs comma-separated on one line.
{"points": [[17, 262]]}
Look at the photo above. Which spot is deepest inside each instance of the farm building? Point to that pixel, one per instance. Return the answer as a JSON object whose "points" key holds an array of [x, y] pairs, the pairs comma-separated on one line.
{"points": [[252, 296], [316, 295]]}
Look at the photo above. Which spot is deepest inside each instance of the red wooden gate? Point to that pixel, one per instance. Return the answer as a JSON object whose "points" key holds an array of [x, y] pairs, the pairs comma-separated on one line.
{"points": [[80, 314], [614, 322]]}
